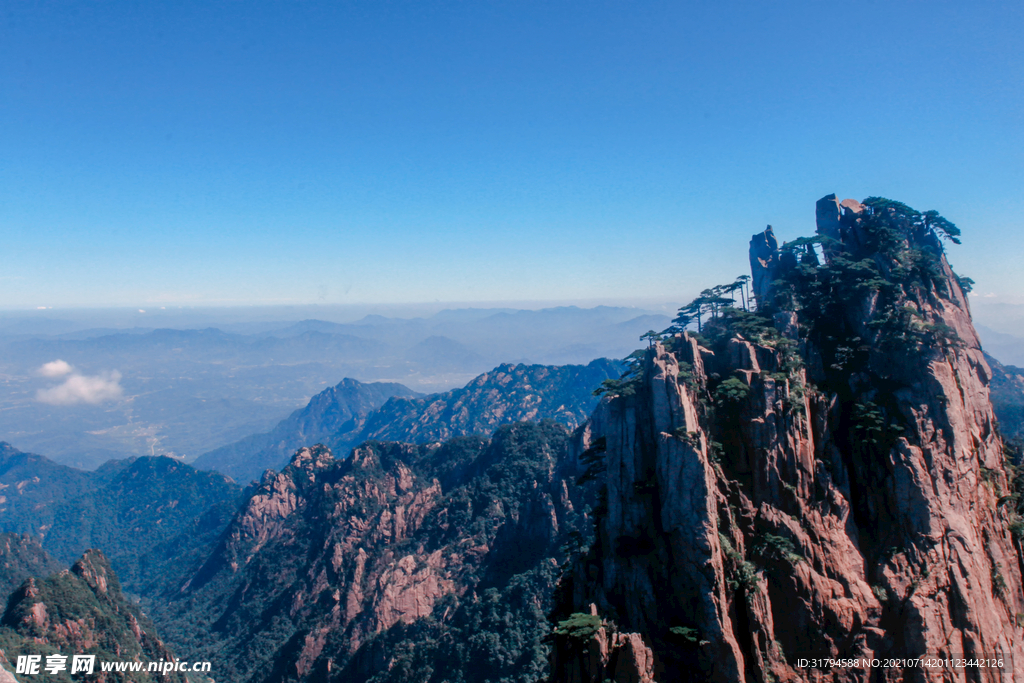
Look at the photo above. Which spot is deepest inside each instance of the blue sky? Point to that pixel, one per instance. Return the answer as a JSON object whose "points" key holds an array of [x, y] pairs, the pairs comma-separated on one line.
{"points": [[272, 152]]}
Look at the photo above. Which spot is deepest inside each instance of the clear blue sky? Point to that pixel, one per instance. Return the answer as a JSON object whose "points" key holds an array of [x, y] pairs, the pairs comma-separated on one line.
{"points": [[302, 152]]}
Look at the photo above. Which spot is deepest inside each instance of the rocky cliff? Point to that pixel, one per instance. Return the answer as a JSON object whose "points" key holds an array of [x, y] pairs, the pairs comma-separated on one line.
{"points": [[82, 611], [820, 478], [396, 562]]}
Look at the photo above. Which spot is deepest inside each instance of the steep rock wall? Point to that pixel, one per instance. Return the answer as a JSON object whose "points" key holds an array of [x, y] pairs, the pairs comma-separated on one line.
{"points": [[850, 504]]}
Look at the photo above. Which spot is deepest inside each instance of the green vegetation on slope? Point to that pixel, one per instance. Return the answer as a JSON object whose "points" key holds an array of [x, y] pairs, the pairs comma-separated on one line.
{"points": [[20, 558], [310, 578], [81, 611], [154, 517]]}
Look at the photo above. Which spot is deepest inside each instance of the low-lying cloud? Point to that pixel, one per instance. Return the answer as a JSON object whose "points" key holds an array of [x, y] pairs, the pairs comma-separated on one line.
{"points": [[55, 368], [78, 388]]}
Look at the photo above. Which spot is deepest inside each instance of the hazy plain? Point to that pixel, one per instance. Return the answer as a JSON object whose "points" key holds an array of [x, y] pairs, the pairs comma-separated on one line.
{"points": [[189, 381]]}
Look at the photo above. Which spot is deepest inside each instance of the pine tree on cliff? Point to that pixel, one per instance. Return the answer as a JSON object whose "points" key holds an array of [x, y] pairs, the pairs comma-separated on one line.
{"points": [[823, 475]]}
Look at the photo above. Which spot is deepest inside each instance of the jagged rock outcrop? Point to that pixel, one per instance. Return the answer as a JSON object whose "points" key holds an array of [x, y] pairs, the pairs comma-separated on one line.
{"points": [[601, 656], [764, 255], [82, 611], [342, 569], [824, 479]]}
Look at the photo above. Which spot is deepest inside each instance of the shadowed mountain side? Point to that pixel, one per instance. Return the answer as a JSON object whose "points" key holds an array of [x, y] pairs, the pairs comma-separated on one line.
{"points": [[20, 558], [342, 408], [30, 488], [144, 503], [154, 517]]}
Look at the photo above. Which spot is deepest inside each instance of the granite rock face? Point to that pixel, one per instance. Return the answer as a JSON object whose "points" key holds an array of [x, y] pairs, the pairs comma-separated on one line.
{"points": [[337, 568], [834, 488], [764, 255]]}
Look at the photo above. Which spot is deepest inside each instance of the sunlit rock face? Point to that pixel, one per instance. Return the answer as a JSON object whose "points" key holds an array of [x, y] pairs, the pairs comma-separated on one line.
{"points": [[345, 568], [822, 479]]}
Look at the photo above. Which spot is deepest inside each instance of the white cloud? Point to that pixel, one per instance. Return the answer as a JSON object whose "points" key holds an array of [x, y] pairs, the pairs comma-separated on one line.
{"points": [[55, 368], [83, 389]]}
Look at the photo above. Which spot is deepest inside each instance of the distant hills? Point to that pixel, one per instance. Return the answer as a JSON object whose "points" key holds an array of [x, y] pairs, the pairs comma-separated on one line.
{"points": [[185, 392], [353, 412], [1007, 348], [1007, 390], [149, 515]]}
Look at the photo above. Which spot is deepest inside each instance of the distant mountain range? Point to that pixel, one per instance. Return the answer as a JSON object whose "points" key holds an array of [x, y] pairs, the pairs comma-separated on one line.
{"points": [[340, 409], [353, 412], [156, 517], [1007, 348], [185, 392], [1007, 390], [467, 520]]}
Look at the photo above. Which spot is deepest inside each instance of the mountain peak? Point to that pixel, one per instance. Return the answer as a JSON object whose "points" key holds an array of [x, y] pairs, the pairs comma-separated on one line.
{"points": [[311, 458], [94, 569], [822, 474]]}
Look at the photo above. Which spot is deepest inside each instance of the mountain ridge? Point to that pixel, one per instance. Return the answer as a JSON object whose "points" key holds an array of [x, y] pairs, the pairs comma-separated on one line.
{"points": [[508, 393], [336, 556], [344, 406], [82, 611]]}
